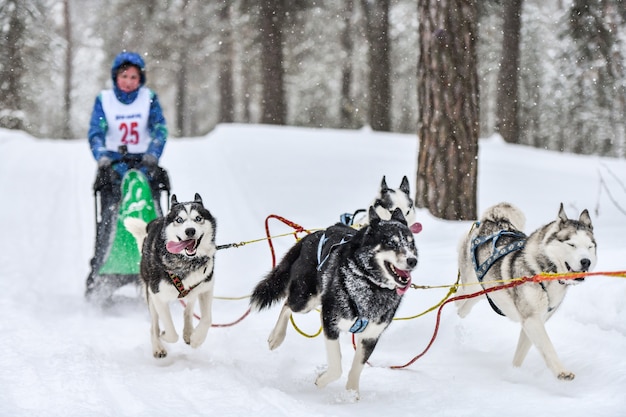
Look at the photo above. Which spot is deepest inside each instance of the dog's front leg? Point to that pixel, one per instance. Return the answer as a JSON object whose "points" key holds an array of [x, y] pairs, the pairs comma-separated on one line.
{"points": [[163, 309], [535, 329], [198, 336], [158, 350], [188, 319], [364, 350], [333, 354]]}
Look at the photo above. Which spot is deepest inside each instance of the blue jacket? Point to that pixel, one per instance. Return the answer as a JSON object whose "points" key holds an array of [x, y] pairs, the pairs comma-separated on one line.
{"points": [[156, 122]]}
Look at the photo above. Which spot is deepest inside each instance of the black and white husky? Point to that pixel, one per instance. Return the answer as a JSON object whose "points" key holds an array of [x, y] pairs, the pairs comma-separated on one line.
{"points": [[177, 262], [388, 199], [357, 276], [497, 249]]}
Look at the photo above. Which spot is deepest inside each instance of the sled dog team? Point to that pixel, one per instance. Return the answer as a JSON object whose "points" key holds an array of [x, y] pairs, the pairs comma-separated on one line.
{"points": [[358, 276]]}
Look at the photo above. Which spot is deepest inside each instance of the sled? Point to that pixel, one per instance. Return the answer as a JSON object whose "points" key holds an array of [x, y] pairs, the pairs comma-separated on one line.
{"points": [[124, 256], [117, 258]]}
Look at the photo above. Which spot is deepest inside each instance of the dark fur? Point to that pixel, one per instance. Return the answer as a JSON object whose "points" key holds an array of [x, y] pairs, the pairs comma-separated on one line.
{"points": [[156, 260], [191, 266], [349, 284]]}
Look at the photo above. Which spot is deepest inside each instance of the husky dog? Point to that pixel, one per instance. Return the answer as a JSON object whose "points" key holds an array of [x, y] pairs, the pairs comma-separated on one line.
{"points": [[388, 199], [358, 277], [496, 249], [177, 260]]}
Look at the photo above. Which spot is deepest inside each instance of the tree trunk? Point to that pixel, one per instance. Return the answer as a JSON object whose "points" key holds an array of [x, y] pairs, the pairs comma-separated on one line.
{"points": [[507, 98], [67, 87], [448, 116], [181, 95], [273, 99], [379, 91], [12, 69], [227, 100], [347, 111]]}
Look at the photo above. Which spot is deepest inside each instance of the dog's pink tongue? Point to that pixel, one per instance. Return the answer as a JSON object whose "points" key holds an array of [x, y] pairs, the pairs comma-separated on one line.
{"points": [[178, 247], [404, 289], [403, 274], [416, 227]]}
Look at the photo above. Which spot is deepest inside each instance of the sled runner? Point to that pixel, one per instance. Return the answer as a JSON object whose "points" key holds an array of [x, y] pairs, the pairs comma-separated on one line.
{"points": [[116, 260]]}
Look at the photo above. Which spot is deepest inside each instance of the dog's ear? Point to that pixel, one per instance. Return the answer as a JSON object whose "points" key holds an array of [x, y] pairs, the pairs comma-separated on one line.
{"points": [[173, 200], [374, 217], [197, 198], [562, 216], [398, 216], [404, 185], [383, 185], [585, 219]]}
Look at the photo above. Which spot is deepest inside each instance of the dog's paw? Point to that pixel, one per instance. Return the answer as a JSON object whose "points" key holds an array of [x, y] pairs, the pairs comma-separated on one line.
{"points": [[566, 376], [159, 353], [275, 339], [350, 396], [326, 378], [169, 337], [197, 338]]}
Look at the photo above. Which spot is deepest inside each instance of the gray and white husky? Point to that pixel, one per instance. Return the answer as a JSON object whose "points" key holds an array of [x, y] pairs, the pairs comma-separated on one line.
{"points": [[177, 262], [357, 276], [497, 249]]}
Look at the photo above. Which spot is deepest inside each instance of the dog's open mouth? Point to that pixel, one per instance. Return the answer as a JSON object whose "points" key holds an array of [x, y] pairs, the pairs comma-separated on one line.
{"points": [[189, 246], [402, 278], [575, 280]]}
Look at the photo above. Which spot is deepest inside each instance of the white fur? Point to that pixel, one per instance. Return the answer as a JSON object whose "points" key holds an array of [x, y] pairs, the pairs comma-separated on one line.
{"points": [[159, 303], [529, 304]]}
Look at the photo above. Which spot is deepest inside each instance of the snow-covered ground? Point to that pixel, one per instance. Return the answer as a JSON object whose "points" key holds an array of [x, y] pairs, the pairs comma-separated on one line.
{"points": [[62, 356]]}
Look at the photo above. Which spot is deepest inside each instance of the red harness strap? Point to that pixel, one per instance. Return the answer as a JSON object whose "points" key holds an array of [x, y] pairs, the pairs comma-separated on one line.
{"points": [[178, 283]]}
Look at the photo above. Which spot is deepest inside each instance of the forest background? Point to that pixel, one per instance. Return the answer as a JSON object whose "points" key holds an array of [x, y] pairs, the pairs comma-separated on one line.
{"points": [[209, 63]]}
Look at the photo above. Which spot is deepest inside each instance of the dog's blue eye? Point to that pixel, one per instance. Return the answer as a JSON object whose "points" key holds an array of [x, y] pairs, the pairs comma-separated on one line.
{"points": [[199, 219], [179, 220]]}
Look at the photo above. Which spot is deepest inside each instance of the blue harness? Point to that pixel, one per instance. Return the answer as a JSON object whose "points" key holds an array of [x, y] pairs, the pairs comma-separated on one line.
{"points": [[496, 253], [322, 256]]}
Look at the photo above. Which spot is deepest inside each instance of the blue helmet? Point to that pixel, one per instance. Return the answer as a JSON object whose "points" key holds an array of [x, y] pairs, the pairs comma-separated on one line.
{"points": [[129, 58]]}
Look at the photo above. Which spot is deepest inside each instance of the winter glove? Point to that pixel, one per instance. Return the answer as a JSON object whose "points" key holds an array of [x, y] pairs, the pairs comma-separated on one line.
{"points": [[104, 162], [149, 161]]}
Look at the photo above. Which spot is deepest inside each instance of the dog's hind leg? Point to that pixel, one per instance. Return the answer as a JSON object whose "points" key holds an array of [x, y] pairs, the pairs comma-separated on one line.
{"points": [[158, 350], [199, 333], [333, 372], [277, 336], [523, 346], [535, 330]]}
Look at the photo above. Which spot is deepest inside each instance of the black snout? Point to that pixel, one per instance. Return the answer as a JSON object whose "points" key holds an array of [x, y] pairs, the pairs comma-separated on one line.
{"points": [[190, 232], [585, 263], [411, 262]]}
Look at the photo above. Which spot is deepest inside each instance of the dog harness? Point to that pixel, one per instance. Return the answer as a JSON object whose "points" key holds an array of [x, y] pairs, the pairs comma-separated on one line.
{"points": [[496, 253], [323, 252], [178, 284]]}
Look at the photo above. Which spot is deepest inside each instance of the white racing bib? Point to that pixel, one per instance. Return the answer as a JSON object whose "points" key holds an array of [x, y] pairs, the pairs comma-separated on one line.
{"points": [[128, 123]]}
